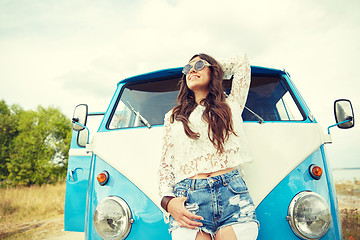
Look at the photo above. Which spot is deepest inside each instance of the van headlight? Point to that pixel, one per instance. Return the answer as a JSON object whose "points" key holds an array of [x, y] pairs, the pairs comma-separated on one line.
{"points": [[309, 215], [112, 218]]}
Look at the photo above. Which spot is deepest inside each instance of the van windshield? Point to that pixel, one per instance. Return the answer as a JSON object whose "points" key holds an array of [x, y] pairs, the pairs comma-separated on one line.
{"points": [[269, 97]]}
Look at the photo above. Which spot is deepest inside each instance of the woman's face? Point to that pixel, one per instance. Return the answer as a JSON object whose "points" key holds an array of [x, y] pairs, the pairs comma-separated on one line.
{"points": [[198, 80]]}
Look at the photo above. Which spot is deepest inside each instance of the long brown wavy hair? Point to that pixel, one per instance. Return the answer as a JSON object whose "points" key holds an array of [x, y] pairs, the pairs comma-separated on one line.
{"points": [[217, 113]]}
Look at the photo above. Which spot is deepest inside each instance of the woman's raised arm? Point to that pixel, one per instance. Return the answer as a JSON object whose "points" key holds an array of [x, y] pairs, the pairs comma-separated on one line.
{"points": [[239, 68]]}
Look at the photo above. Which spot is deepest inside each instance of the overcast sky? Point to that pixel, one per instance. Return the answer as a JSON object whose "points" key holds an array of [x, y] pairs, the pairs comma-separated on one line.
{"points": [[62, 53]]}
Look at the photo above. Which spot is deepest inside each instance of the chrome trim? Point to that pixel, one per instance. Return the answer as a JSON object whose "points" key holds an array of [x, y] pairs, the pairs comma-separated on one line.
{"points": [[71, 173], [128, 215], [291, 219], [311, 116]]}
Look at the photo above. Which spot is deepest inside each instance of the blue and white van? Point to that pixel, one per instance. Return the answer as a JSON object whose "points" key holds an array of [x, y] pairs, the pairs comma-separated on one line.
{"points": [[111, 189]]}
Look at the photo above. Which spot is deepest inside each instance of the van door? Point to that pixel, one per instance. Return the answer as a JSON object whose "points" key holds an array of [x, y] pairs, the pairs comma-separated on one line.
{"points": [[78, 175]]}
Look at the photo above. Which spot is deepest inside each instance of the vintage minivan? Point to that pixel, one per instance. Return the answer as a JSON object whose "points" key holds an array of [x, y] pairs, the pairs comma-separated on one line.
{"points": [[112, 186]]}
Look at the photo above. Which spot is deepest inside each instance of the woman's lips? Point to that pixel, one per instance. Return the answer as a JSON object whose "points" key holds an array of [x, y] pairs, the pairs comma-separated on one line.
{"points": [[193, 77]]}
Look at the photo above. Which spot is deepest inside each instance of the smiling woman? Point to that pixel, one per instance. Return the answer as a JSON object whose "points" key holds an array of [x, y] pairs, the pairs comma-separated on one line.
{"points": [[203, 147], [198, 77]]}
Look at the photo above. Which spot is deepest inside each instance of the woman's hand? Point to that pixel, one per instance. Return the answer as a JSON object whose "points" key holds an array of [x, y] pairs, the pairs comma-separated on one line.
{"points": [[176, 207]]}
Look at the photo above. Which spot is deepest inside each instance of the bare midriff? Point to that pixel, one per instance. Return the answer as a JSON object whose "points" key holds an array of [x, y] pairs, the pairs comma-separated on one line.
{"points": [[213, 174]]}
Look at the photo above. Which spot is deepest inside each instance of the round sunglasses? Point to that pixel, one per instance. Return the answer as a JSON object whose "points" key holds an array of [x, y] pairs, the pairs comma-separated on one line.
{"points": [[198, 66]]}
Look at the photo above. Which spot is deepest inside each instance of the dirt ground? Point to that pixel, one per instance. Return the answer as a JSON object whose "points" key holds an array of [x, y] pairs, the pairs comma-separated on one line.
{"points": [[51, 229], [66, 236]]}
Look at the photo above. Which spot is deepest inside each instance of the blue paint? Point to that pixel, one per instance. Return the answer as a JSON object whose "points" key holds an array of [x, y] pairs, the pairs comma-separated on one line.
{"points": [[149, 223], [75, 195], [332, 194], [272, 211], [76, 188], [73, 144]]}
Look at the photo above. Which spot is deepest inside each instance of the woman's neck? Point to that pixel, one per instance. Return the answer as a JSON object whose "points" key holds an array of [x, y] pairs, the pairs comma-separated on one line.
{"points": [[200, 95]]}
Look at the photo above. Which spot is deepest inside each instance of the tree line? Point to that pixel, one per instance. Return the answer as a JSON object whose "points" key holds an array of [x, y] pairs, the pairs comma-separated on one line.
{"points": [[34, 145]]}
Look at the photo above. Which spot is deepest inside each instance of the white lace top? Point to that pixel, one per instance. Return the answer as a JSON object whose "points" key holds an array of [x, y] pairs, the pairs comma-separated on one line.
{"points": [[183, 157]]}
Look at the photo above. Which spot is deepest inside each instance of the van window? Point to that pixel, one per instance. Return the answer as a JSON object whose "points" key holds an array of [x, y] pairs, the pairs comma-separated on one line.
{"points": [[152, 100], [269, 97]]}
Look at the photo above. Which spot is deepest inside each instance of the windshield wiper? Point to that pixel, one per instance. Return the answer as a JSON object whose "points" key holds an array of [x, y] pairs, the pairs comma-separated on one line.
{"points": [[261, 120], [143, 120]]}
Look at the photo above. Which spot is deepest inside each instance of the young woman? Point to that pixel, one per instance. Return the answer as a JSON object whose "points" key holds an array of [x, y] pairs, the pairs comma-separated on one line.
{"points": [[204, 147]]}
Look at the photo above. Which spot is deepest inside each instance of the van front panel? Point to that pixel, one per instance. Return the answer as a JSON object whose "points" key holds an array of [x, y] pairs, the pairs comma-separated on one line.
{"points": [[283, 146], [148, 219], [273, 210]]}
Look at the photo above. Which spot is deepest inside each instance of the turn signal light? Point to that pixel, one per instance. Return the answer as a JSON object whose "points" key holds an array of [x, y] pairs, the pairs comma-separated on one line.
{"points": [[315, 171], [103, 178]]}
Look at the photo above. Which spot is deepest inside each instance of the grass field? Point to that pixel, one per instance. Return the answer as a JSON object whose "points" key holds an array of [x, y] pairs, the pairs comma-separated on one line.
{"points": [[37, 212], [348, 194], [26, 210]]}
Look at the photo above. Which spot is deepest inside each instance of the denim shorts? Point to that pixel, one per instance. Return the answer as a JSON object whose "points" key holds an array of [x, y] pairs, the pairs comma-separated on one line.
{"points": [[221, 200]]}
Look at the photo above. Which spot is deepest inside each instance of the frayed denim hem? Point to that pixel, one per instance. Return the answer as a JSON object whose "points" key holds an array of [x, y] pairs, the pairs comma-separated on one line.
{"points": [[195, 231]]}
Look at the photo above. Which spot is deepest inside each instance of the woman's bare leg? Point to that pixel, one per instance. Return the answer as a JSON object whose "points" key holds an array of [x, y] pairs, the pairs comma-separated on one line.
{"points": [[241, 231], [189, 234]]}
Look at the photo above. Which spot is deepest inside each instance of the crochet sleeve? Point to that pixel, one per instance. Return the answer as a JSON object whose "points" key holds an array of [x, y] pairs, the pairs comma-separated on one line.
{"points": [[166, 169], [239, 68]]}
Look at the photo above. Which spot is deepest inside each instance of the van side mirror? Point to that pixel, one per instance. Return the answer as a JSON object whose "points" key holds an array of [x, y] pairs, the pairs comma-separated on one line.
{"points": [[83, 138], [344, 114], [80, 117]]}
